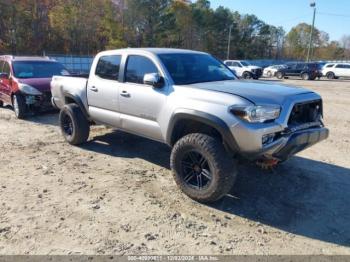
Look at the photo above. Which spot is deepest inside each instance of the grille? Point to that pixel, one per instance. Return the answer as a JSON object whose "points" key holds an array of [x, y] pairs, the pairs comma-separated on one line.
{"points": [[44, 100], [304, 113], [257, 72]]}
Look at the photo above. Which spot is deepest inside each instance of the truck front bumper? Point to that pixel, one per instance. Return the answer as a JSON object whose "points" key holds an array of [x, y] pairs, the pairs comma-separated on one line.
{"points": [[289, 145]]}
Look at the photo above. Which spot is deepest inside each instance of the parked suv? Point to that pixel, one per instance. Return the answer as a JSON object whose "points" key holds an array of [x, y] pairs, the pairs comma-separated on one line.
{"points": [[336, 70], [25, 82], [244, 70], [194, 103], [306, 71]]}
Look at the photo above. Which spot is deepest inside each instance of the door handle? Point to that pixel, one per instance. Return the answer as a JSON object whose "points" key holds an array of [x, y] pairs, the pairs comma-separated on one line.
{"points": [[94, 89], [125, 94]]}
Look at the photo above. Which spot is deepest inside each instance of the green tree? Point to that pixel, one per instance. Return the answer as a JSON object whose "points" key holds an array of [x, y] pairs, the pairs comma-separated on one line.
{"points": [[297, 40]]}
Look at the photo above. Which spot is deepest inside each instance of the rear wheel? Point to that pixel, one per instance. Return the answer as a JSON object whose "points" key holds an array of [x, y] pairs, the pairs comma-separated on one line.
{"points": [[202, 168], [330, 75], [1, 103], [75, 127], [279, 75], [19, 106], [305, 76]]}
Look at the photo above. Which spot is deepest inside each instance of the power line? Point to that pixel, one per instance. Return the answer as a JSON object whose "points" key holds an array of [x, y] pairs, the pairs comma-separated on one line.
{"points": [[292, 19], [333, 14]]}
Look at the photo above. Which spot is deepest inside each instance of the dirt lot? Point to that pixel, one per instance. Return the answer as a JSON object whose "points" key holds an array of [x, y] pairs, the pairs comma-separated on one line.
{"points": [[116, 195]]}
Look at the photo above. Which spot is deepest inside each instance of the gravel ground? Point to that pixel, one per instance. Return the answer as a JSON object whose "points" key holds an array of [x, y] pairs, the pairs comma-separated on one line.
{"points": [[116, 194]]}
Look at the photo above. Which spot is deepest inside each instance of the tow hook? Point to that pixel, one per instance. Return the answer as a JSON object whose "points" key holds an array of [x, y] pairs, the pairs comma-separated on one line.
{"points": [[267, 164]]}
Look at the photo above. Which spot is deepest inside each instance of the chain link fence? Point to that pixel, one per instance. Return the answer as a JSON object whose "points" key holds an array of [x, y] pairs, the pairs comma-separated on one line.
{"points": [[74, 63]]}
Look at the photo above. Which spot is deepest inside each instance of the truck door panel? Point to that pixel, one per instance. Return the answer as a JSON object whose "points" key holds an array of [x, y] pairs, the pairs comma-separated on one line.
{"points": [[103, 91], [141, 104]]}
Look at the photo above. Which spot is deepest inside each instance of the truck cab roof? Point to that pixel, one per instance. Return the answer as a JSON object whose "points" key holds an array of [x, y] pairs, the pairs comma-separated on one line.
{"points": [[156, 51]]}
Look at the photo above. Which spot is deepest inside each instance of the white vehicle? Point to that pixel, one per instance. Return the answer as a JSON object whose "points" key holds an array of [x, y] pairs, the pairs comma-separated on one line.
{"points": [[272, 70], [336, 70], [243, 69]]}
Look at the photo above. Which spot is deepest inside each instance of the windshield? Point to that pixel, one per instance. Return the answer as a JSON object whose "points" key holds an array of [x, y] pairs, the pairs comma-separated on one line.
{"points": [[38, 69], [244, 63], [195, 68]]}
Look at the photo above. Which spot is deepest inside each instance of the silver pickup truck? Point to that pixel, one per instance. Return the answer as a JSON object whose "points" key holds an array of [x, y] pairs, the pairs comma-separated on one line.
{"points": [[194, 103]]}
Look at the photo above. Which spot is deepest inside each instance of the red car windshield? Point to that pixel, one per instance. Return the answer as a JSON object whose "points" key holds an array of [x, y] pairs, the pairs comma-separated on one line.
{"points": [[37, 69]]}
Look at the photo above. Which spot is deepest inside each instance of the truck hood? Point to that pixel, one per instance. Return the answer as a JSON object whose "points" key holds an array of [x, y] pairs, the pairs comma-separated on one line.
{"points": [[253, 67], [41, 84], [256, 92]]}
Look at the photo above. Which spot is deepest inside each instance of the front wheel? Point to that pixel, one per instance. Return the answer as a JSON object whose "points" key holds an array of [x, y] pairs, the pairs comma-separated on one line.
{"points": [[202, 168], [19, 106], [75, 127], [247, 75], [1, 103]]}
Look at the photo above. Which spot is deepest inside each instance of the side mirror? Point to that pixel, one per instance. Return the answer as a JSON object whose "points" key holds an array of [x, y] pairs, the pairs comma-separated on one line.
{"points": [[4, 76], [153, 79]]}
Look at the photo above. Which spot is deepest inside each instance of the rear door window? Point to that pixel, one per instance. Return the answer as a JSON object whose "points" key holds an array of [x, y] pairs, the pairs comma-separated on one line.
{"points": [[291, 66], [108, 67], [300, 66]]}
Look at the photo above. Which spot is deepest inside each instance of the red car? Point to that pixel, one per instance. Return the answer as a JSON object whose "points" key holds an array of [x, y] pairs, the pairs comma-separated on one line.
{"points": [[25, 82]]}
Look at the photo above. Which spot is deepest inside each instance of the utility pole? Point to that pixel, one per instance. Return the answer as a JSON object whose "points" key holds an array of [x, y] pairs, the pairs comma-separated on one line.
{"points": [[312, 4], [229, 42]]}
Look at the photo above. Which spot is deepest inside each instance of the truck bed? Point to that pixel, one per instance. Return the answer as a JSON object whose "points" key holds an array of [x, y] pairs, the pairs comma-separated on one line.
{"points": [[72, 85]]}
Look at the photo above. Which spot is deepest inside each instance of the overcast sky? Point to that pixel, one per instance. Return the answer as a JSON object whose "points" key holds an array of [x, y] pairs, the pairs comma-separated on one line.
{"points": [[333, 16]]}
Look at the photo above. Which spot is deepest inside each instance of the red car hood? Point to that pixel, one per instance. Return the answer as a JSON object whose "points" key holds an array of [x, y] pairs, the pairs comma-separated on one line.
{"points": [[42, 84]]}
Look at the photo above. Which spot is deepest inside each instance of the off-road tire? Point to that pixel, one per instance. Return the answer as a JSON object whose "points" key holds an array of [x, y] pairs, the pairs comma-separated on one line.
{"points": [[330, 75], [279, 75], [75, 127], [247, 75], [223, 167], [19, 106]]}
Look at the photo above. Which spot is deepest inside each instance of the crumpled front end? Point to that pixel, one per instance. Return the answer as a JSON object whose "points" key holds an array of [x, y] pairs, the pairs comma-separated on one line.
{"points": [[272, 141]]}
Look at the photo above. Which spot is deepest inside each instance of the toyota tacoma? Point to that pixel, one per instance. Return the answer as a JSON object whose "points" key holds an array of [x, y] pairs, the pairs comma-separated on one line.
{"points": [[194, 103]]}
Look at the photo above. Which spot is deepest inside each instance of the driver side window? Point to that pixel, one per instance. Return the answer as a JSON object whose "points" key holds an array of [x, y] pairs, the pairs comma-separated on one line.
{"points": [[236, 64], [137, 67]]}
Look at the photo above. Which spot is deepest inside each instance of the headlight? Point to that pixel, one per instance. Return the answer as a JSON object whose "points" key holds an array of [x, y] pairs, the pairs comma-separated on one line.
{"points": [[29, 90], [257, 114]]}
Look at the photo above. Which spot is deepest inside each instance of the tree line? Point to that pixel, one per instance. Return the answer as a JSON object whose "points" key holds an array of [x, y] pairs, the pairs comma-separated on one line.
{"points": [[85, 27]]}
